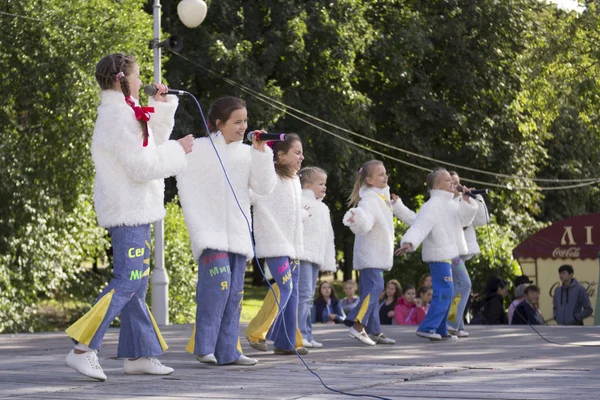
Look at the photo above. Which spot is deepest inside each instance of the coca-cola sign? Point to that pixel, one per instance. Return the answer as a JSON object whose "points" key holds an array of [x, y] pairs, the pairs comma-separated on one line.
{"points": [[569, 252], [572, 238]]}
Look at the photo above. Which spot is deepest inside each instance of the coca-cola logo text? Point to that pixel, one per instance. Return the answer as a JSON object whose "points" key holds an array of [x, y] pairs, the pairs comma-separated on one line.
{"points": [[570, 252]]}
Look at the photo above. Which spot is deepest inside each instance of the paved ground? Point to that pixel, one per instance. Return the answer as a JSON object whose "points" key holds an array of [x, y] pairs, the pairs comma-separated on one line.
{"points": [[494, 363]]}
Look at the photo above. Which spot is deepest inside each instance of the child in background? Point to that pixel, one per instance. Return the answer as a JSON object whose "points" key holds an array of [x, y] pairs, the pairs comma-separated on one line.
{"points": [[425, 280], [319, 249], [132, 155], [406, 311], [390, 297], [526, 312], [424, 295], [350, 301], [327, 308], [371, 218]]}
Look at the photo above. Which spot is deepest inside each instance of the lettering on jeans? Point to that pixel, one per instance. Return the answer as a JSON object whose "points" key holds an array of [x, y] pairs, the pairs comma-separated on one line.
{"points": [[448, 278], [286, 277], [219, 270], [282, 268], [214, 257], [224, 285], [133, 252], [135, 275]]}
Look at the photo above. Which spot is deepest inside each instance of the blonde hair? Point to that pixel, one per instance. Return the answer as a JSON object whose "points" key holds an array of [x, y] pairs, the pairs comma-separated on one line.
{"points": [[307, 174], [433, 177], [363, 173], [282, 147]]}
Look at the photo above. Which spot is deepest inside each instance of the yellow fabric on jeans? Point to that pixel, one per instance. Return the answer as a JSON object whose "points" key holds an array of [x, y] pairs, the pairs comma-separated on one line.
{"points": [[259, 325], [84, 329]]}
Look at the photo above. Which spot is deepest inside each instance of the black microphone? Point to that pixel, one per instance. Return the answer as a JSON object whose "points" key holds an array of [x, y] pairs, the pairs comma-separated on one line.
{"points": [[279, 137], [151, 90], [473, 193]]}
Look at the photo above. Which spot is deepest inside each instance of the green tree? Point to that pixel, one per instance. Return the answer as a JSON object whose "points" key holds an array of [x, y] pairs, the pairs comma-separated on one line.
{"points": [[47, 226]]}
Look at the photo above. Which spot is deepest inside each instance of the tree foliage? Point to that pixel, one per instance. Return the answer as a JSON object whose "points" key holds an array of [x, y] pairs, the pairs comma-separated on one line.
{"points": [[503, 86]]}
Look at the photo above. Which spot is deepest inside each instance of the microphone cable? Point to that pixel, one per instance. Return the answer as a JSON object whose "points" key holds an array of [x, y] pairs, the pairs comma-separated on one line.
{"points": [[258, 262]]}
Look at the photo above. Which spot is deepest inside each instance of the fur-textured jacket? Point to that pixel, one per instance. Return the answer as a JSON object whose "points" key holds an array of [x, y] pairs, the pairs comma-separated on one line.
{"points": [[374, 229], [439, 226], [278, 216], [481, 219], [319, 245], [211, 213], [408, 216], [129, 183]]}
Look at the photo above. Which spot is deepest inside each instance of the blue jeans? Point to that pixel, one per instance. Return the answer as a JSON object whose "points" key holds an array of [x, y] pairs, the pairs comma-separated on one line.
{"points": [[124, 294], [309, 273], [219, 294], [462, 286], [437, 315], [366, 312], [285, 272]]}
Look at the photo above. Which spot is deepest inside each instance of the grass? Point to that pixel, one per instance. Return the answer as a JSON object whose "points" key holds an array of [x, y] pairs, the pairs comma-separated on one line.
{"points": [[253, 300]]}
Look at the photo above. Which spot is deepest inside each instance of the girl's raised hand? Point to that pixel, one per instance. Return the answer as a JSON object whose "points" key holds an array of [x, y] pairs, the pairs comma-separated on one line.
{"points": [[259, 144], [161, 92], [394, 198]]}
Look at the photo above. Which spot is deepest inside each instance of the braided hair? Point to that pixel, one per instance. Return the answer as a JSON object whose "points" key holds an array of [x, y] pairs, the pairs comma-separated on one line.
{"points": [[115, 68]]}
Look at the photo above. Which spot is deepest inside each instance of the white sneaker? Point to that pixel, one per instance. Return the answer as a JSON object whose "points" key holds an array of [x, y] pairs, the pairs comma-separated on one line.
{"points": [[462, 333], [146, 366], [429, 335], [207, 358], [360, 336], [316, 344], [307, 344], [449, 337], [243, 360], [382, 339], [452, 331], [86, 364]]}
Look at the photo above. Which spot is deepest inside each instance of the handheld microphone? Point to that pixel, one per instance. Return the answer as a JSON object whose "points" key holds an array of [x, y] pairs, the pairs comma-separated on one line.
{"points": [[279, 137], [473, 193], [151, 90]]}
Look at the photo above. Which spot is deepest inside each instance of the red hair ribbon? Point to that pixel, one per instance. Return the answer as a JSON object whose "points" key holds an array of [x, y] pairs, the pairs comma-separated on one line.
{"points": [[271, 143], [141, 114]]}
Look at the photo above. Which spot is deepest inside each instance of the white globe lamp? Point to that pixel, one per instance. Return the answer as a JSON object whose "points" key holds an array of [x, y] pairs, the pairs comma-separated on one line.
{"points": [[191, 12]]}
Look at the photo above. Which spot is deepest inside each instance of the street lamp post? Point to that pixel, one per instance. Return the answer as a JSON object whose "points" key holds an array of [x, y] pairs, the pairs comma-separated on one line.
{"points": [[191, 13]]}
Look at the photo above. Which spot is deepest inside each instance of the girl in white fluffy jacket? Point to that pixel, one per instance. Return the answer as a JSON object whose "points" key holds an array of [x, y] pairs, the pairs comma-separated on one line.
{"points": [[372, 220], [278, 231], [132, 155], [460, 276], [218, 229], [439, 226], [319, 249]]}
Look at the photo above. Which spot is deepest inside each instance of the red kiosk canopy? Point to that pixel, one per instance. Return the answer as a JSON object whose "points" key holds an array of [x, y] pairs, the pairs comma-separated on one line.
{"points": [[575, 238]]}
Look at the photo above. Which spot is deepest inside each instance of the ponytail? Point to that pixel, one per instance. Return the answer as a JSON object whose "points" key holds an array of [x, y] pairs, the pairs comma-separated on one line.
{"points": [[363, 173]]}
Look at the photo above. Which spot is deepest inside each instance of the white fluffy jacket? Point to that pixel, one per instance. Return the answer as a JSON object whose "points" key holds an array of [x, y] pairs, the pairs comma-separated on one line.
{"points": [[278, 216], [374, 228], [481, 218], [129, 184], [319, 245], [439, 226], [211, 213]]}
